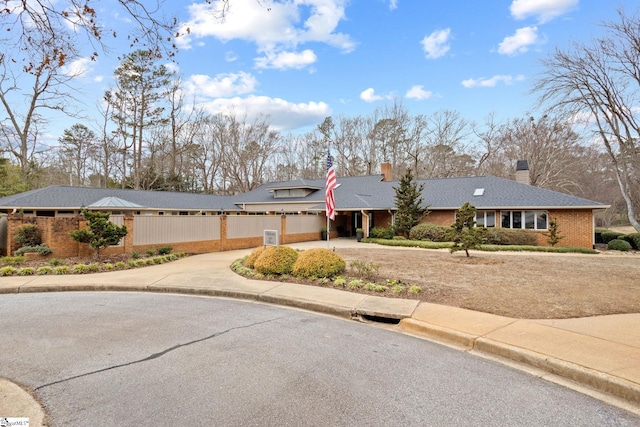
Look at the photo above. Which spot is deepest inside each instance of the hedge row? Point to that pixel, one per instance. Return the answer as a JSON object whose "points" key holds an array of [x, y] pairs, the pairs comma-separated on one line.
{"points": [[492, 236], [605, 236]]}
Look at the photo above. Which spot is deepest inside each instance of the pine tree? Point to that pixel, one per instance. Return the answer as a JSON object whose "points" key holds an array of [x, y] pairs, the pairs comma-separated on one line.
{"points": [[100, 233], [465, 233], [409, 204]]}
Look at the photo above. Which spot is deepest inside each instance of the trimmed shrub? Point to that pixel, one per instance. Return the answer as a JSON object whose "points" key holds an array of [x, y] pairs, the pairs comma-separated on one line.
{"points": [[633, 239], [28, 235], [253, 256], [504, 236], [165, 250], [432, 232], [381, 233], [40, 249], [619, 245], [318, 262], [274, 260], [610, 235], [598, 235]]}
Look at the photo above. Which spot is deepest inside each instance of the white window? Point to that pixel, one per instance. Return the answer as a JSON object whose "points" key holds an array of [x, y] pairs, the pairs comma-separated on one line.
{"points": [[529, 220], [485, 219]]}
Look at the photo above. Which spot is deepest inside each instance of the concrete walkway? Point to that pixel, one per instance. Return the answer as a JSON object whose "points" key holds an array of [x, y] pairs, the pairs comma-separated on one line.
{"points": [[601, 353]]}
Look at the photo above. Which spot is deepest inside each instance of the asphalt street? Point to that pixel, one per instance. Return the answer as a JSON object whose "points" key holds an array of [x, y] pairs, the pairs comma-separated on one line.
{"points": [[141, 359]]}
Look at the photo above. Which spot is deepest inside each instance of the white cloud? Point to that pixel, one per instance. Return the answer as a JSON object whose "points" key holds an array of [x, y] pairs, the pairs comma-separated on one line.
{"points": [[278, 28], [544, 10], [418, 92], [285, 60], [78, 68], [519, 42], [492, 82], [393, 4], [369, 95], [284, 115], [436, 44], [222, 85], [230, 56]]}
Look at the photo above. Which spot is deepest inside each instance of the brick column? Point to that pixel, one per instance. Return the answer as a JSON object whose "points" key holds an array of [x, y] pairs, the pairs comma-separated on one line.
{"points": [[128, 239], [223, 232], [283, 229]]}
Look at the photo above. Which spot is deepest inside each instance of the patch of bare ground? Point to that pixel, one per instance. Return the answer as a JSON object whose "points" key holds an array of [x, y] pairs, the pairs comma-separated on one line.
{"points": [[514, 284]]}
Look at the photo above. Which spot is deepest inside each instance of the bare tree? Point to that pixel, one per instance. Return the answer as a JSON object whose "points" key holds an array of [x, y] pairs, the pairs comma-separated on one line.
{"points": [[447, 146], [550, 146], [600, 82], [246, 152]]}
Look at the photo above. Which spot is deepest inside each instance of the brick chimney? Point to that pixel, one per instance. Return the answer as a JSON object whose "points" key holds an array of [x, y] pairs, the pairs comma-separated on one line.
{"points": [[385, 169], [522, 172]]}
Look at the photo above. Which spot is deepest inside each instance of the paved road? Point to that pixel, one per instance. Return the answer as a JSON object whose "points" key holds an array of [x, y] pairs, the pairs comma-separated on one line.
{"points": [[151, 359]]}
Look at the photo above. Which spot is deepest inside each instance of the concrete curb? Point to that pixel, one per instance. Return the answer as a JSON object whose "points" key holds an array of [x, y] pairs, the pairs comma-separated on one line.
{"points": [[599, 381], [18, 402]]}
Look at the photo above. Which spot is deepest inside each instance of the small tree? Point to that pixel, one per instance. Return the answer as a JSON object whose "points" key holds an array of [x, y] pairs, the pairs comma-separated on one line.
{"points": [[28, 235], [409, 204], [465, 234], [101, 233], [553, 236]]}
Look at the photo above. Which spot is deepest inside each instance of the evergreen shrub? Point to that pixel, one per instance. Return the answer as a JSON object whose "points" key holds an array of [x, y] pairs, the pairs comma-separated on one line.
{"points": [[381, 233], [504, 236], [610, 235], [276, 260], [633, 239], [253, 256], [28, 235], [39, 249], [432, 232], [619, 245], [318, 262]]}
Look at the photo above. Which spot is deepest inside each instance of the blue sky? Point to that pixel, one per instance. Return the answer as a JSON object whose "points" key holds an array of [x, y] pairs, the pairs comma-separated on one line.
{"points": [[302, 60]]}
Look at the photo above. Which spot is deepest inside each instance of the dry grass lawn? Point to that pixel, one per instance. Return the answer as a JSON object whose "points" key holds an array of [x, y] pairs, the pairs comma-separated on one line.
{"points": [[520, 285]]}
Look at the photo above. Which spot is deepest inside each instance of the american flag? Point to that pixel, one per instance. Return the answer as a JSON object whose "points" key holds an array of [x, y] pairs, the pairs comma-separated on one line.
{"points": [[330, 186]]}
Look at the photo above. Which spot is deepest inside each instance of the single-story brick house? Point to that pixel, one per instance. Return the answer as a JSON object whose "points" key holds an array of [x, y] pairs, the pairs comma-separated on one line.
{"points": [[361, 202]]}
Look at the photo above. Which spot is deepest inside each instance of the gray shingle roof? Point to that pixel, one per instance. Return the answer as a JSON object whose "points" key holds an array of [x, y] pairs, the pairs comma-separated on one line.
{"points": [[353, 193], [498, 193], [64, 197]]}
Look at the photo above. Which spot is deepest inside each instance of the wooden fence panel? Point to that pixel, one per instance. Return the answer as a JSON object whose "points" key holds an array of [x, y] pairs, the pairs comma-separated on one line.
{"points": [[243, 226], [151, 230], [297, 224]]}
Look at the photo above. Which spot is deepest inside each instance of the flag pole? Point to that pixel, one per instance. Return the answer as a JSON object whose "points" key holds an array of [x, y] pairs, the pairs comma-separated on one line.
{"points": [[328, 230]]}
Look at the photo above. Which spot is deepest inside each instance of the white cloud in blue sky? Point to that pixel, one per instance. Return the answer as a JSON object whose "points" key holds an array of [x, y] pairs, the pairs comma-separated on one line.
{"points": [[418, 92], [369, 95], [285, 60], [298, 61], [520, 42], [492, 82], [437, 44], [543, 10]]}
